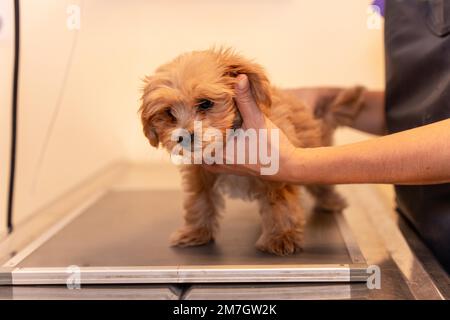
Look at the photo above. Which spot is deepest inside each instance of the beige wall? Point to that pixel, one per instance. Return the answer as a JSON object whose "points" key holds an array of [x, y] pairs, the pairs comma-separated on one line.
{"points": [[6, 67], [301, 43], [70, 112]]}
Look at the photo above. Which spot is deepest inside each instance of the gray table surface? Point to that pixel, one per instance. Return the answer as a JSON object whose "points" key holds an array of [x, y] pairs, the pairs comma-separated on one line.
{"points": [[131, 228]]}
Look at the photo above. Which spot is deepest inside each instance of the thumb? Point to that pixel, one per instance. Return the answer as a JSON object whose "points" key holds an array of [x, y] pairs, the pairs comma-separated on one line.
{"points": [[250, 112]]}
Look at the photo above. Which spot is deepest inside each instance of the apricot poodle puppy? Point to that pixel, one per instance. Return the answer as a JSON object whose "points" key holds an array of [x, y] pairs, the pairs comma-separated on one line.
{"points": [[199, 86]]}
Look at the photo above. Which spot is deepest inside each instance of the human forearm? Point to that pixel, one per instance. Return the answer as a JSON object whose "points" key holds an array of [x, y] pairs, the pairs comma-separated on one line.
{"points": [[416, 156], [372, 117]]}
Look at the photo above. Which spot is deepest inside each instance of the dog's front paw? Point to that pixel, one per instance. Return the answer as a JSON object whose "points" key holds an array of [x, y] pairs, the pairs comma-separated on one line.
{"points": [[190, 236], [282, 244]]}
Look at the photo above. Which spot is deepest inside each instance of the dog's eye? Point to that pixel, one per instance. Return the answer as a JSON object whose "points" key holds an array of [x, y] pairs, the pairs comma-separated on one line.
{"points": [[205, 104], [170, 114]]}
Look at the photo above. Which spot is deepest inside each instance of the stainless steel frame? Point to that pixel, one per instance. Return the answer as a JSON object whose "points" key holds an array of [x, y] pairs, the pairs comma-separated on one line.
{"points": [[189, 274]]}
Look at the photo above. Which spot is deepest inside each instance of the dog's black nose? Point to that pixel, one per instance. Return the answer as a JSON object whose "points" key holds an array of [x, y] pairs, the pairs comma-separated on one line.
{"points": [[185, 141]]}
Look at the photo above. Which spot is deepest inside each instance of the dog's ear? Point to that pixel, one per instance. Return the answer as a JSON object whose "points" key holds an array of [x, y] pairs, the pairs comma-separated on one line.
{"points": [[147, 116], [259, 83], [150, 132]]}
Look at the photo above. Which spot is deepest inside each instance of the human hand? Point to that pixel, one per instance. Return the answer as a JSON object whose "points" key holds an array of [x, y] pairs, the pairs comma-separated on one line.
{"points": [[283, 154]]}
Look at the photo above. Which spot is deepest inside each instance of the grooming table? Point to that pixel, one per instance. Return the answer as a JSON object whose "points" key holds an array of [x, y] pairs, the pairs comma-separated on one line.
{"points": [[122, 238]]}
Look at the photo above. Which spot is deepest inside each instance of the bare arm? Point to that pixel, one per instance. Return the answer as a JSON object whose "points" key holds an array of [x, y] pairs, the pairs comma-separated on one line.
{"points": [[372, 118], [416, 156]]}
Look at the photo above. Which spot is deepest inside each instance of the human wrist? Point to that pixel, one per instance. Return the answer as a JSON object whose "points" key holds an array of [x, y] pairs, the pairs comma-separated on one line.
{"points": [[308, 165], [297, 165]]}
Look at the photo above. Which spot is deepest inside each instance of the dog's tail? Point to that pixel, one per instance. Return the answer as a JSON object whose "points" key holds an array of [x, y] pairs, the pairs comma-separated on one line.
{"points": [[341, 107]]}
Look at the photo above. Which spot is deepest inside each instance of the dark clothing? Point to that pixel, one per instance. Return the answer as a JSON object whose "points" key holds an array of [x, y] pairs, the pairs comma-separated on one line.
{"points": [[417, 43]]}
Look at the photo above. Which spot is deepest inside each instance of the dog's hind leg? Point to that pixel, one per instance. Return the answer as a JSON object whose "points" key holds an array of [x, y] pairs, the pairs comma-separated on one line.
{"points": [[327, 198]]}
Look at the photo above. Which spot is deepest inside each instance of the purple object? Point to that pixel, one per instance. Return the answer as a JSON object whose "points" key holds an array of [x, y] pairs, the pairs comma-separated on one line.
{"points": [[380, 4]]}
